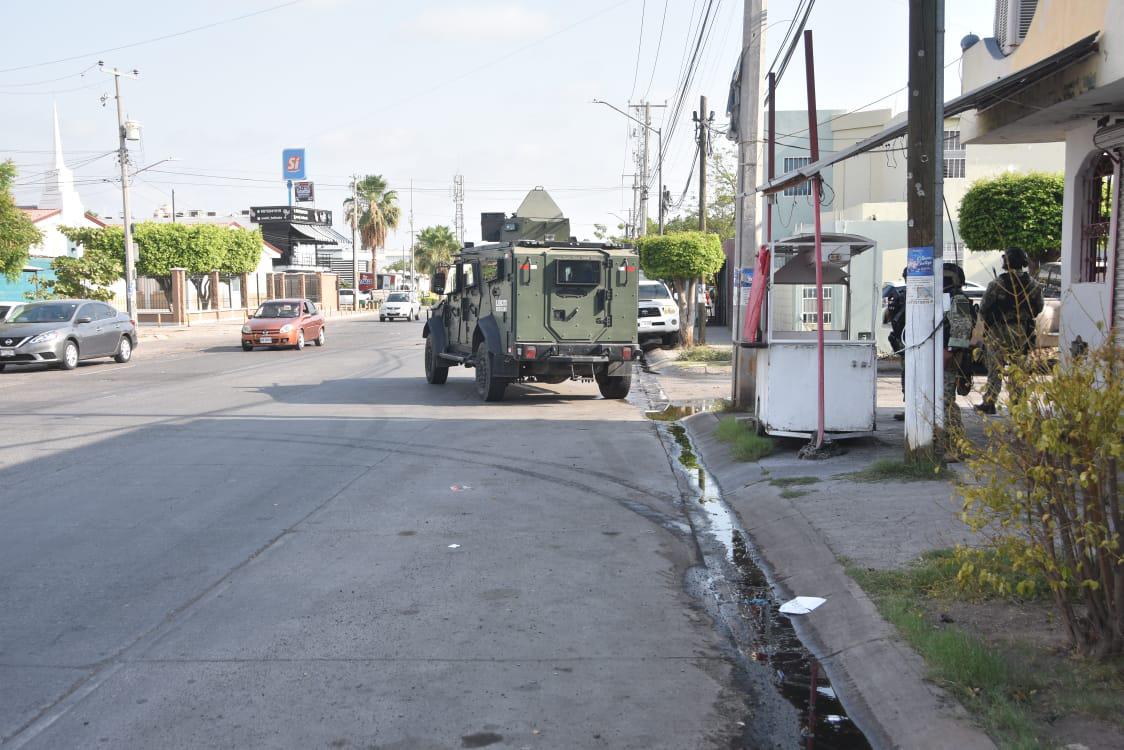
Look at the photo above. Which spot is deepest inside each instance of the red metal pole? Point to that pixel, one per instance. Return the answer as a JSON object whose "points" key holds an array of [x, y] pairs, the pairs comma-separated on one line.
{"points": [[814, 144]]}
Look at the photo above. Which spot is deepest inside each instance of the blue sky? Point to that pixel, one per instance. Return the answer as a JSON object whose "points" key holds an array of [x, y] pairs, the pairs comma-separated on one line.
{"points": [[497, 90]]}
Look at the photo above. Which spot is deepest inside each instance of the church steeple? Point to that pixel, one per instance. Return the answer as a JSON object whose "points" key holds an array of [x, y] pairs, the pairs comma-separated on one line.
{"points": [[58, 183]]}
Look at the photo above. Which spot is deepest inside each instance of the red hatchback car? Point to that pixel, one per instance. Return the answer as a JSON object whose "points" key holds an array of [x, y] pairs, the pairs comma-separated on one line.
{"points": [[284, 322]]}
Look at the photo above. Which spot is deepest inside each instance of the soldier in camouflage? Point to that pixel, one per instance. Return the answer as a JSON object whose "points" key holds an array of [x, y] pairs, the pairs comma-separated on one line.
{"points": [[1009, 308], [958, 323]]}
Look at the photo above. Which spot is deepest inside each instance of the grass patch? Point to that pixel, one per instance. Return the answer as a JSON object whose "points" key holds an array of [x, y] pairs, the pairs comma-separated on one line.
{"points": [[898, 470], [687, 455], [745, 444], [1013, 689], [705, 354], [793, 481], [790, 494]]}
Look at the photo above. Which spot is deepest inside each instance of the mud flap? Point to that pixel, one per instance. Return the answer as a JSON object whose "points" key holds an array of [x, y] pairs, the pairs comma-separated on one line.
{"points": [[437, 332]]}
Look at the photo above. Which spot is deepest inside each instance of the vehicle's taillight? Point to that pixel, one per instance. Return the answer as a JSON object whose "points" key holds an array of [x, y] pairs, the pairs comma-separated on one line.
{"points": [[530, 352]]}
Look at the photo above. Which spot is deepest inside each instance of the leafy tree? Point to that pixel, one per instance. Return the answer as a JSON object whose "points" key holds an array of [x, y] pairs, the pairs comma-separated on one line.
{"points": [[1015, 210], [399, 265], [197, 248], [87, 277], [682, 258], [378, 213], [434, 247], [17, 233], [720, 210]]}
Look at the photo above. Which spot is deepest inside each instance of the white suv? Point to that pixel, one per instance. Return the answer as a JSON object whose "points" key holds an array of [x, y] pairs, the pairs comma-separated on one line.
{"points": [[403, 305], [658, 314]]}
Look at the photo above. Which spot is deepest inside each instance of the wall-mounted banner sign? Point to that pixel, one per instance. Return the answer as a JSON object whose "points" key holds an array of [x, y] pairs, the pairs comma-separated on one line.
{"points": [[303, 191], [293, 165]]}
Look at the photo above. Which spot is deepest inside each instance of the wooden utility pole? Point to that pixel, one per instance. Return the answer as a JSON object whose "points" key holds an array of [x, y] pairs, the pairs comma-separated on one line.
{"points": [[703, 139], [745, 204], [924, 365]]}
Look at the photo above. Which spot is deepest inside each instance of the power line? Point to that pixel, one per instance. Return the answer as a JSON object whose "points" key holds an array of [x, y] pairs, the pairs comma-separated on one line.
{"points": [[659, 45], [153, 39], [49, 80], [639, 49]]}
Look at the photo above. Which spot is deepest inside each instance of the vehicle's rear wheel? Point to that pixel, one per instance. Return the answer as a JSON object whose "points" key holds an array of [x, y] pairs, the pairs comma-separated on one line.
{"points": [[435, 372], [69, 356], [613, 386], [382, 318], [300, 340], [2, 366], [124, 351], [247, 346], [488, 386], [320, 338], [417, 315]]}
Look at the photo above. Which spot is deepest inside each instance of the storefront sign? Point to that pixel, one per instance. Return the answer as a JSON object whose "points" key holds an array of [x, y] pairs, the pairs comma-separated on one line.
{"points": [[366, 281], [292, 164], [261, 214], [303, 191]]}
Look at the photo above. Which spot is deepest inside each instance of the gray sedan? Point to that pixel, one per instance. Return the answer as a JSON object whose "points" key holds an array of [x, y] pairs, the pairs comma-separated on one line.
{"points": [[63, 332]]}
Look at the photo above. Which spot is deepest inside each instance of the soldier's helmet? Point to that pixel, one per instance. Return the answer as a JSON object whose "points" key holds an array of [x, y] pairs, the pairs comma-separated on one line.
{"points": [[953, 276], [1016, 258]]}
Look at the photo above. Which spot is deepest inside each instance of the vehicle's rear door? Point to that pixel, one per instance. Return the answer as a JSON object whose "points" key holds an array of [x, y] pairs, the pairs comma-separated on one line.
{"points": [[579, 295]]}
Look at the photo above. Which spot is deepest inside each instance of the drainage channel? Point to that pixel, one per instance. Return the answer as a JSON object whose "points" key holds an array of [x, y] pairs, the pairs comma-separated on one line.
{"points": [[737, 592]]}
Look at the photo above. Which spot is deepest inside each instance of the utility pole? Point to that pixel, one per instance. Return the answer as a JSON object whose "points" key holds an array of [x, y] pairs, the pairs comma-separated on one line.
{"points": [[355, 240], [123, 159], [924, 365], [703, 123], [647, 126], [745, 243], [413, 280]]}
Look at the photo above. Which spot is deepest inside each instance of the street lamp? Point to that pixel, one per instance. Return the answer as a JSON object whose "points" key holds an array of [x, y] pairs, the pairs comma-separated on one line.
{"points": [[659, 163]]}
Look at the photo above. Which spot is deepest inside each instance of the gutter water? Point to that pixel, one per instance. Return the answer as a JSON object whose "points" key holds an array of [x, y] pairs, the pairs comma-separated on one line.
{"points": [[736, 591]]}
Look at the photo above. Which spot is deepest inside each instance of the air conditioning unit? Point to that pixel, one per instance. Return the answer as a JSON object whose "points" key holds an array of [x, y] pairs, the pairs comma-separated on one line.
{"points": [[1012, 22]]}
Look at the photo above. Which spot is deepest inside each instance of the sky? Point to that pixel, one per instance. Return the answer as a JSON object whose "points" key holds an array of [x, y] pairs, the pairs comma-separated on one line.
{"points": [[499, 91]]}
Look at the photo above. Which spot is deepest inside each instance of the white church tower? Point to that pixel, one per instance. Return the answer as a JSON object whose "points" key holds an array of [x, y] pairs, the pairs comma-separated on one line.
{"points": [[58, 186]]}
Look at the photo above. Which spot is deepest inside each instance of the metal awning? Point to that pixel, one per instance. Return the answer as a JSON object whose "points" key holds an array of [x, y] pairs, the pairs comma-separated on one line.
{"points": [[313, 233], [983, 97]]}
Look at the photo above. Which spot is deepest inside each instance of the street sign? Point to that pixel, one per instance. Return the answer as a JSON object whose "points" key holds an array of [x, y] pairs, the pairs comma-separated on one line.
{"points": [[303, 191], [292, 164]]}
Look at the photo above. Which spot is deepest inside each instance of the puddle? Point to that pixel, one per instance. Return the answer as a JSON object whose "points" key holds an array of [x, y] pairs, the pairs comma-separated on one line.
{"points": [[747, 606], [675, 412]]}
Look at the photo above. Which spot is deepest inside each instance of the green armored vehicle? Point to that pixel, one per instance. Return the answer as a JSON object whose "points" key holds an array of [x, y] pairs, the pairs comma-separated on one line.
{"points": [[536, 311]]}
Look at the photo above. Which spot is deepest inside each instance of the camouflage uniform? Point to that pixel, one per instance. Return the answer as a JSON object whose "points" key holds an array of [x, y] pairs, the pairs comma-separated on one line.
{"points": [[958, 322], [1009, 308]]}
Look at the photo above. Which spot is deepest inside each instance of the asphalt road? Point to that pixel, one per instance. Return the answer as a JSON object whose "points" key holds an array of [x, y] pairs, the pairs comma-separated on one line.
{"points": [[212, 548]]}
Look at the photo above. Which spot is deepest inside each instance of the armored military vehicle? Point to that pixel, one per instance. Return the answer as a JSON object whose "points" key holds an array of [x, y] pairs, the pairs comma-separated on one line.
{"points": [[536, 311]]}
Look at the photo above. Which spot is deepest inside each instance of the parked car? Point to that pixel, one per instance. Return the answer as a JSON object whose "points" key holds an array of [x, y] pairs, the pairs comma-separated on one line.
{"points": [[64, 332], [347, 297], [8, 309], [403, 305], [284, 322], [658, 313]]}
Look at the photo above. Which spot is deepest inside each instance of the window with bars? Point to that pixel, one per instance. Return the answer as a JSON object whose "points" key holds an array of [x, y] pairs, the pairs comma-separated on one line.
{"points": [[1096, 221], [795, 162], [955, 157], [808, 306]]}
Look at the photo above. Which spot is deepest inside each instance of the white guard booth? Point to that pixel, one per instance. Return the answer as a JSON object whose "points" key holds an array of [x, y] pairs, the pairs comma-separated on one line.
{"points": [[787, 369]]}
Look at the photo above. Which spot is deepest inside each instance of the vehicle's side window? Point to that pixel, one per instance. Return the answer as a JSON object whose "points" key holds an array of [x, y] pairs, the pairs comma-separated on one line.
{"points": [[310, 308], [87, 311], [105, 312], [459, 284], [490, 270], [469, 275]]}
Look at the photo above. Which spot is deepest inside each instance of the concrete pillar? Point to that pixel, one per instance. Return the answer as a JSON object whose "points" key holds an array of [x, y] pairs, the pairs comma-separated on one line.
{"points": [[178, 302]]}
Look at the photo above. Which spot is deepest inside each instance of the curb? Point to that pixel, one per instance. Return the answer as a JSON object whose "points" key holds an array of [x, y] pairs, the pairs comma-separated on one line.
{"points": [[880, 680]]}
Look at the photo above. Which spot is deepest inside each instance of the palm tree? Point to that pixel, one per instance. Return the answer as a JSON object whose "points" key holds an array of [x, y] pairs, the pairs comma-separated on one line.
{"points": [[435, 246], [378, 213]]}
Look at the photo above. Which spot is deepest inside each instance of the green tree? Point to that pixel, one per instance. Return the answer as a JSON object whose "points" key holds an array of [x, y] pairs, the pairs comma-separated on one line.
{"points": [[722, 181], [87, 277], [683, 258], [435, 246], [1015, 210], [399, 265], [17, 233], [378, 213]]}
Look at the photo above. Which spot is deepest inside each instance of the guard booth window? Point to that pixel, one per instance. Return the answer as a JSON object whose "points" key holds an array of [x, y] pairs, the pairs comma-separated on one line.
{"points": [[579, 272]]}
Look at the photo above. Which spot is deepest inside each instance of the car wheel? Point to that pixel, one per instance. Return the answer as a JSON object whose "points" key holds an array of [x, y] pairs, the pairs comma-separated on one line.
{"points": [[382, 319], [300, 340], [613, 386], [320, 338], [124, 351], [69, 356], [435, 372], [247, 346], [2, 367], [671, 340], [488, 386]]}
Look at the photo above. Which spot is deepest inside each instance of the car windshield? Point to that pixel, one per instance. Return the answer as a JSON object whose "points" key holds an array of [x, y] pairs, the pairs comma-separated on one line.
{"points": [[398, 297], [654, 291], [279, 310], [50, 312]]}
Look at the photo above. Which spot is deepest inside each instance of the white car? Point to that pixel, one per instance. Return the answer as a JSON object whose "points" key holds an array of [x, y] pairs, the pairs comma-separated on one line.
{"points": [[658, 313], [347, 297], [8, 309], [403, 305]]}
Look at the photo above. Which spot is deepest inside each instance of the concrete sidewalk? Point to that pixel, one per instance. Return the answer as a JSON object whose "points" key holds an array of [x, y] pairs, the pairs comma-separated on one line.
{"points": [[802, 539]]}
